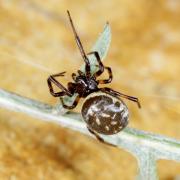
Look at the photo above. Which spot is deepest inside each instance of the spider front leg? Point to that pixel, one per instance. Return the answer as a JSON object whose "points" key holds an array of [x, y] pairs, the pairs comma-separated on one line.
{"points": [[51, 80], [106, 81], [100, 64], [101, 69], [99, 138], [80, 46], [118, 94]]}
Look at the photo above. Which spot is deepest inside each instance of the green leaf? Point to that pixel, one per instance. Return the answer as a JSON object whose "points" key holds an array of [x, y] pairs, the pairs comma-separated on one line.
{"points": [[101, 46]]}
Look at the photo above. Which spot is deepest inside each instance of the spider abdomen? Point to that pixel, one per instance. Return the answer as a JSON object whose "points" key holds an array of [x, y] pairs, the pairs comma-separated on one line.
{"points": [[105, 114]]}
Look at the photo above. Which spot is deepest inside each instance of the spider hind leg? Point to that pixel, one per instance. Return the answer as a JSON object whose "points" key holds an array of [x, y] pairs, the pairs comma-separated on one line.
{"points": [[100, 138], [118, 94]]}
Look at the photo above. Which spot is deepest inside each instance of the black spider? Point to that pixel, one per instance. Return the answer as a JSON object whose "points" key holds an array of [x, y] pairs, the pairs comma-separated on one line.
{"points": [[103, 110]]}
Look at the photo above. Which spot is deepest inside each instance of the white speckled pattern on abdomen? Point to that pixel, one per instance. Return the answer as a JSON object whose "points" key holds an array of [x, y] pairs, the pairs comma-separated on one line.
{"points": [[105, 114]]}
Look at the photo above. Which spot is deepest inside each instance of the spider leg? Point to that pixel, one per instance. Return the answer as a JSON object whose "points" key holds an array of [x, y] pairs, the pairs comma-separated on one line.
{"points": [[100, 64], [51, 80], [101, 69], [79, 44], [106, 81], [71, 106], [99, 138], [80, 73], [118, 94], [74, 76]]}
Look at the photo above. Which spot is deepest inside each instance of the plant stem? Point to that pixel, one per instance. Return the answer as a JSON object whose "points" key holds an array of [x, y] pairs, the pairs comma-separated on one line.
{"points": [[147, 167], [132, 140]]}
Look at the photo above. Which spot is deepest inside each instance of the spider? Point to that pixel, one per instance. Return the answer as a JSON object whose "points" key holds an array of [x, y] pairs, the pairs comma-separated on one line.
{"points": [[103, 109]]}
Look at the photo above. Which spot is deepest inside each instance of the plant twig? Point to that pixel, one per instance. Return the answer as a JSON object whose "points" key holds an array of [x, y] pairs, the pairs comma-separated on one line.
{"points": [[135, 141]]}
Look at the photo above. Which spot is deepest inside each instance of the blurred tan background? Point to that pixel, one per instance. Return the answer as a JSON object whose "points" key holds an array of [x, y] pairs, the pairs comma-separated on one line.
{"points": [[36, 40]]}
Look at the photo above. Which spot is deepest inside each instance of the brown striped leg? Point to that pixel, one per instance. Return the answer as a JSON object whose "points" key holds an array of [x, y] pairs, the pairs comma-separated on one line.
{"points": [[101, 66], [118, 94], [79, 44], [73, 76], [106, 81], [51, 80], [99, 138], [80, 73], [71, 106]]}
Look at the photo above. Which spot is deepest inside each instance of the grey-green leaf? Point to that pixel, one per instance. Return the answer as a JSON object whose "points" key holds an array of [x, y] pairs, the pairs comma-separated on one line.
{"points": [[101, 46]]}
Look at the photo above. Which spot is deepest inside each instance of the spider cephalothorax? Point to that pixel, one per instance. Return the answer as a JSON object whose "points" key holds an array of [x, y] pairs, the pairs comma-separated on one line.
{"points": [[85, 85], [103, 110]]}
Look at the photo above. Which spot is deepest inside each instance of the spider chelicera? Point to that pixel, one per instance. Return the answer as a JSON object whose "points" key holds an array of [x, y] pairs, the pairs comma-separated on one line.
{"points": [[103, 110]]}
